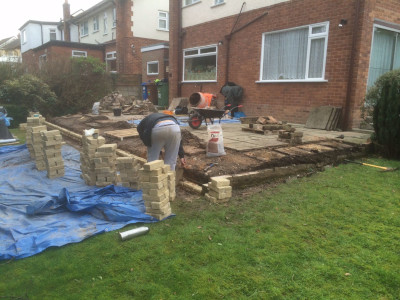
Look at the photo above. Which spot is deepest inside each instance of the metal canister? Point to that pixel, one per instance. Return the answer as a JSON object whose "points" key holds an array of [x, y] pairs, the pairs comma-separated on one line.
{"points": [[133, 233]]}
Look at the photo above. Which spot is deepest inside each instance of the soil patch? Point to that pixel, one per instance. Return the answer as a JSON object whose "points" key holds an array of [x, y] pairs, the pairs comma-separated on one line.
{"points": [[234, 162]]}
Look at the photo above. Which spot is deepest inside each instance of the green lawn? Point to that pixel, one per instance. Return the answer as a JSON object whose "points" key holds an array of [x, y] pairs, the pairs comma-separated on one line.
{"points": [[334, 235]]}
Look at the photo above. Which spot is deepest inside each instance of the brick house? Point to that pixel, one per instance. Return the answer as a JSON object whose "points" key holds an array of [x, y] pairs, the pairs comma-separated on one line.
{"points": [[112, 30], [288, 55]]}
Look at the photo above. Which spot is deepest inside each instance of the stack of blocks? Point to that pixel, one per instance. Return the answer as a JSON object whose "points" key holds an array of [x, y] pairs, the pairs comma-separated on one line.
{"points": [[89, 147], [104, 163], [290, 136], [153, 178], [128, 169], [37, 145], [52, 141], [32, 122], [219, 190]]}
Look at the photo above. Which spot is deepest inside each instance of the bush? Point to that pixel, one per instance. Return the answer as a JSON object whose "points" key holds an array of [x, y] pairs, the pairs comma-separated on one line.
{"points": [[78, 83], [9, 71], [384, 97], [18, 113], [28, 93]]}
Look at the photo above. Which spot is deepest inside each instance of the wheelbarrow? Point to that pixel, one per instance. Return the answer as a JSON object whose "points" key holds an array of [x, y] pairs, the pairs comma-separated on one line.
{"points": [[198, 115]]}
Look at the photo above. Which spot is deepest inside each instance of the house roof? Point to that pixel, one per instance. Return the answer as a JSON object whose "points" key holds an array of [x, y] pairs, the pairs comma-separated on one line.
{"points": [[93, 10], [38, 22], [5, 40], [14, 44], [69, 45]]}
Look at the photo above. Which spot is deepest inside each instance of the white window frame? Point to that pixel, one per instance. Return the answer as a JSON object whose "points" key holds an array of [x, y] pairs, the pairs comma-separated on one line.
{"points": [[23, 36], [110, 56], [79, 53], [155, 62], [52, 31], [189, 2], [186, 55], [84, 28], [162, 18], [105, 23], [96, 25], [218, 2], [311, 37], [114, 17]]}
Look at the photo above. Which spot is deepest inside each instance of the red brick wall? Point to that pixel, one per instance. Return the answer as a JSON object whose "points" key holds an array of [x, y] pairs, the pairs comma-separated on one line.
{"points": [[160, 55], [56, 53], [288, 101]]}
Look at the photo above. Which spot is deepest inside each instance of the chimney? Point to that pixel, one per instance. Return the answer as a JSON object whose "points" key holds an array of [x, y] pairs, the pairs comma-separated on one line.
{"points": [[67, 17]]}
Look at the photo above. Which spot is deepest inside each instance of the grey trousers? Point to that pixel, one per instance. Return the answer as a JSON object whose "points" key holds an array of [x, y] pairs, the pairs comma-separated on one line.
{"points": [[167, 137]]}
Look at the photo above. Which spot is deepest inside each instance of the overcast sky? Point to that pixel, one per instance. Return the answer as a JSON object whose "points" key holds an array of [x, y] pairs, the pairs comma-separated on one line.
{"points": [[14, 13]]}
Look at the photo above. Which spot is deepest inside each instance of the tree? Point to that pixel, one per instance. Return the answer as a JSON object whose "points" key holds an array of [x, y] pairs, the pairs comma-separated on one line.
{"points": [[384, 98]]}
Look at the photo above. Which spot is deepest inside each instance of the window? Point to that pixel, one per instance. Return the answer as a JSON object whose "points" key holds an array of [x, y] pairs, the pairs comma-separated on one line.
{"points": [[111, 61], [114, 17], [200, 64], [385, 53], [84, 28], [105, 23], [152, 68], [95, 23], [190, 2], [217, 2], [295, 55], [53, 34], [77, 53], [23, 36], [163, 20]]}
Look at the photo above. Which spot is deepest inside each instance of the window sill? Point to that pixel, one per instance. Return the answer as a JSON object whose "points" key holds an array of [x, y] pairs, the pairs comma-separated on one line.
{"points": [[84, 35], [162, 29], [191, 4], [196, 81], [152, 74], [292, 81], [216, 5], [95, 31]]}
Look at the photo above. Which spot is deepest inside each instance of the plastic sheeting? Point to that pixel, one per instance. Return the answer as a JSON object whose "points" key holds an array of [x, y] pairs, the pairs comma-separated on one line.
{"points": [[37, 212]]}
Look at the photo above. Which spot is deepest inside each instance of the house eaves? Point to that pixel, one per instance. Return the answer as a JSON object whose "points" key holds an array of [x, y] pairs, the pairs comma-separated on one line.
{"points": [[69, 45], [38, 22], [99, 7], [14, 44]]}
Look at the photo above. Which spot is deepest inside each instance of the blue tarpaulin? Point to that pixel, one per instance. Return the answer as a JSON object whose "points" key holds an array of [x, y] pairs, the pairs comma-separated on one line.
{"points": [[37, 212]]}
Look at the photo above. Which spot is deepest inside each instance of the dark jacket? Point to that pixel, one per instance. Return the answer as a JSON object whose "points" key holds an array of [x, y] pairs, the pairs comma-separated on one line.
{"points": [[233, 94], [145, 128]]}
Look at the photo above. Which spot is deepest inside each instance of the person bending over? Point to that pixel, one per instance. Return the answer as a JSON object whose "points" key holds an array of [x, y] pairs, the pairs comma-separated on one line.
{"points": [[158, 131]]}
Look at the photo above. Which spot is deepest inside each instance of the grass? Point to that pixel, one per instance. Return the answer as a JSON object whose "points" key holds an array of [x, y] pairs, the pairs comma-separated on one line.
{"points": [[18, 134], [334, 235]]}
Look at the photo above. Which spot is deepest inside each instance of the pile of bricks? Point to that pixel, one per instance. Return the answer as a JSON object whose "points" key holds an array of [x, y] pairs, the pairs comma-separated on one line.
{"points": [[290, 136], [52, 142], [104, 163], [128, 171], [37, 146], [266, 125], [87, 156], [153, 178], [32, 122], [219, 190]]}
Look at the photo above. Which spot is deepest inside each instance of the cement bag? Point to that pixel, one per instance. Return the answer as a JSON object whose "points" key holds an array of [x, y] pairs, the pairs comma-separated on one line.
{"points": [[215, 144], [95, 108]]}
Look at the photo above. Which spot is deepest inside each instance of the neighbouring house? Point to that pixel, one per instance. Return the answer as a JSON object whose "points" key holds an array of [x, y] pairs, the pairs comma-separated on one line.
{"points": [[288, 55], [112, 30], [10, 50]]}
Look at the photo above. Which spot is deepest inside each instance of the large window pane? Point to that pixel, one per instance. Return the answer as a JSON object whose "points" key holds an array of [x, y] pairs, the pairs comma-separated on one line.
{"points": [[285, 55], [200, 68], [316, 58], [384, 54]]}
